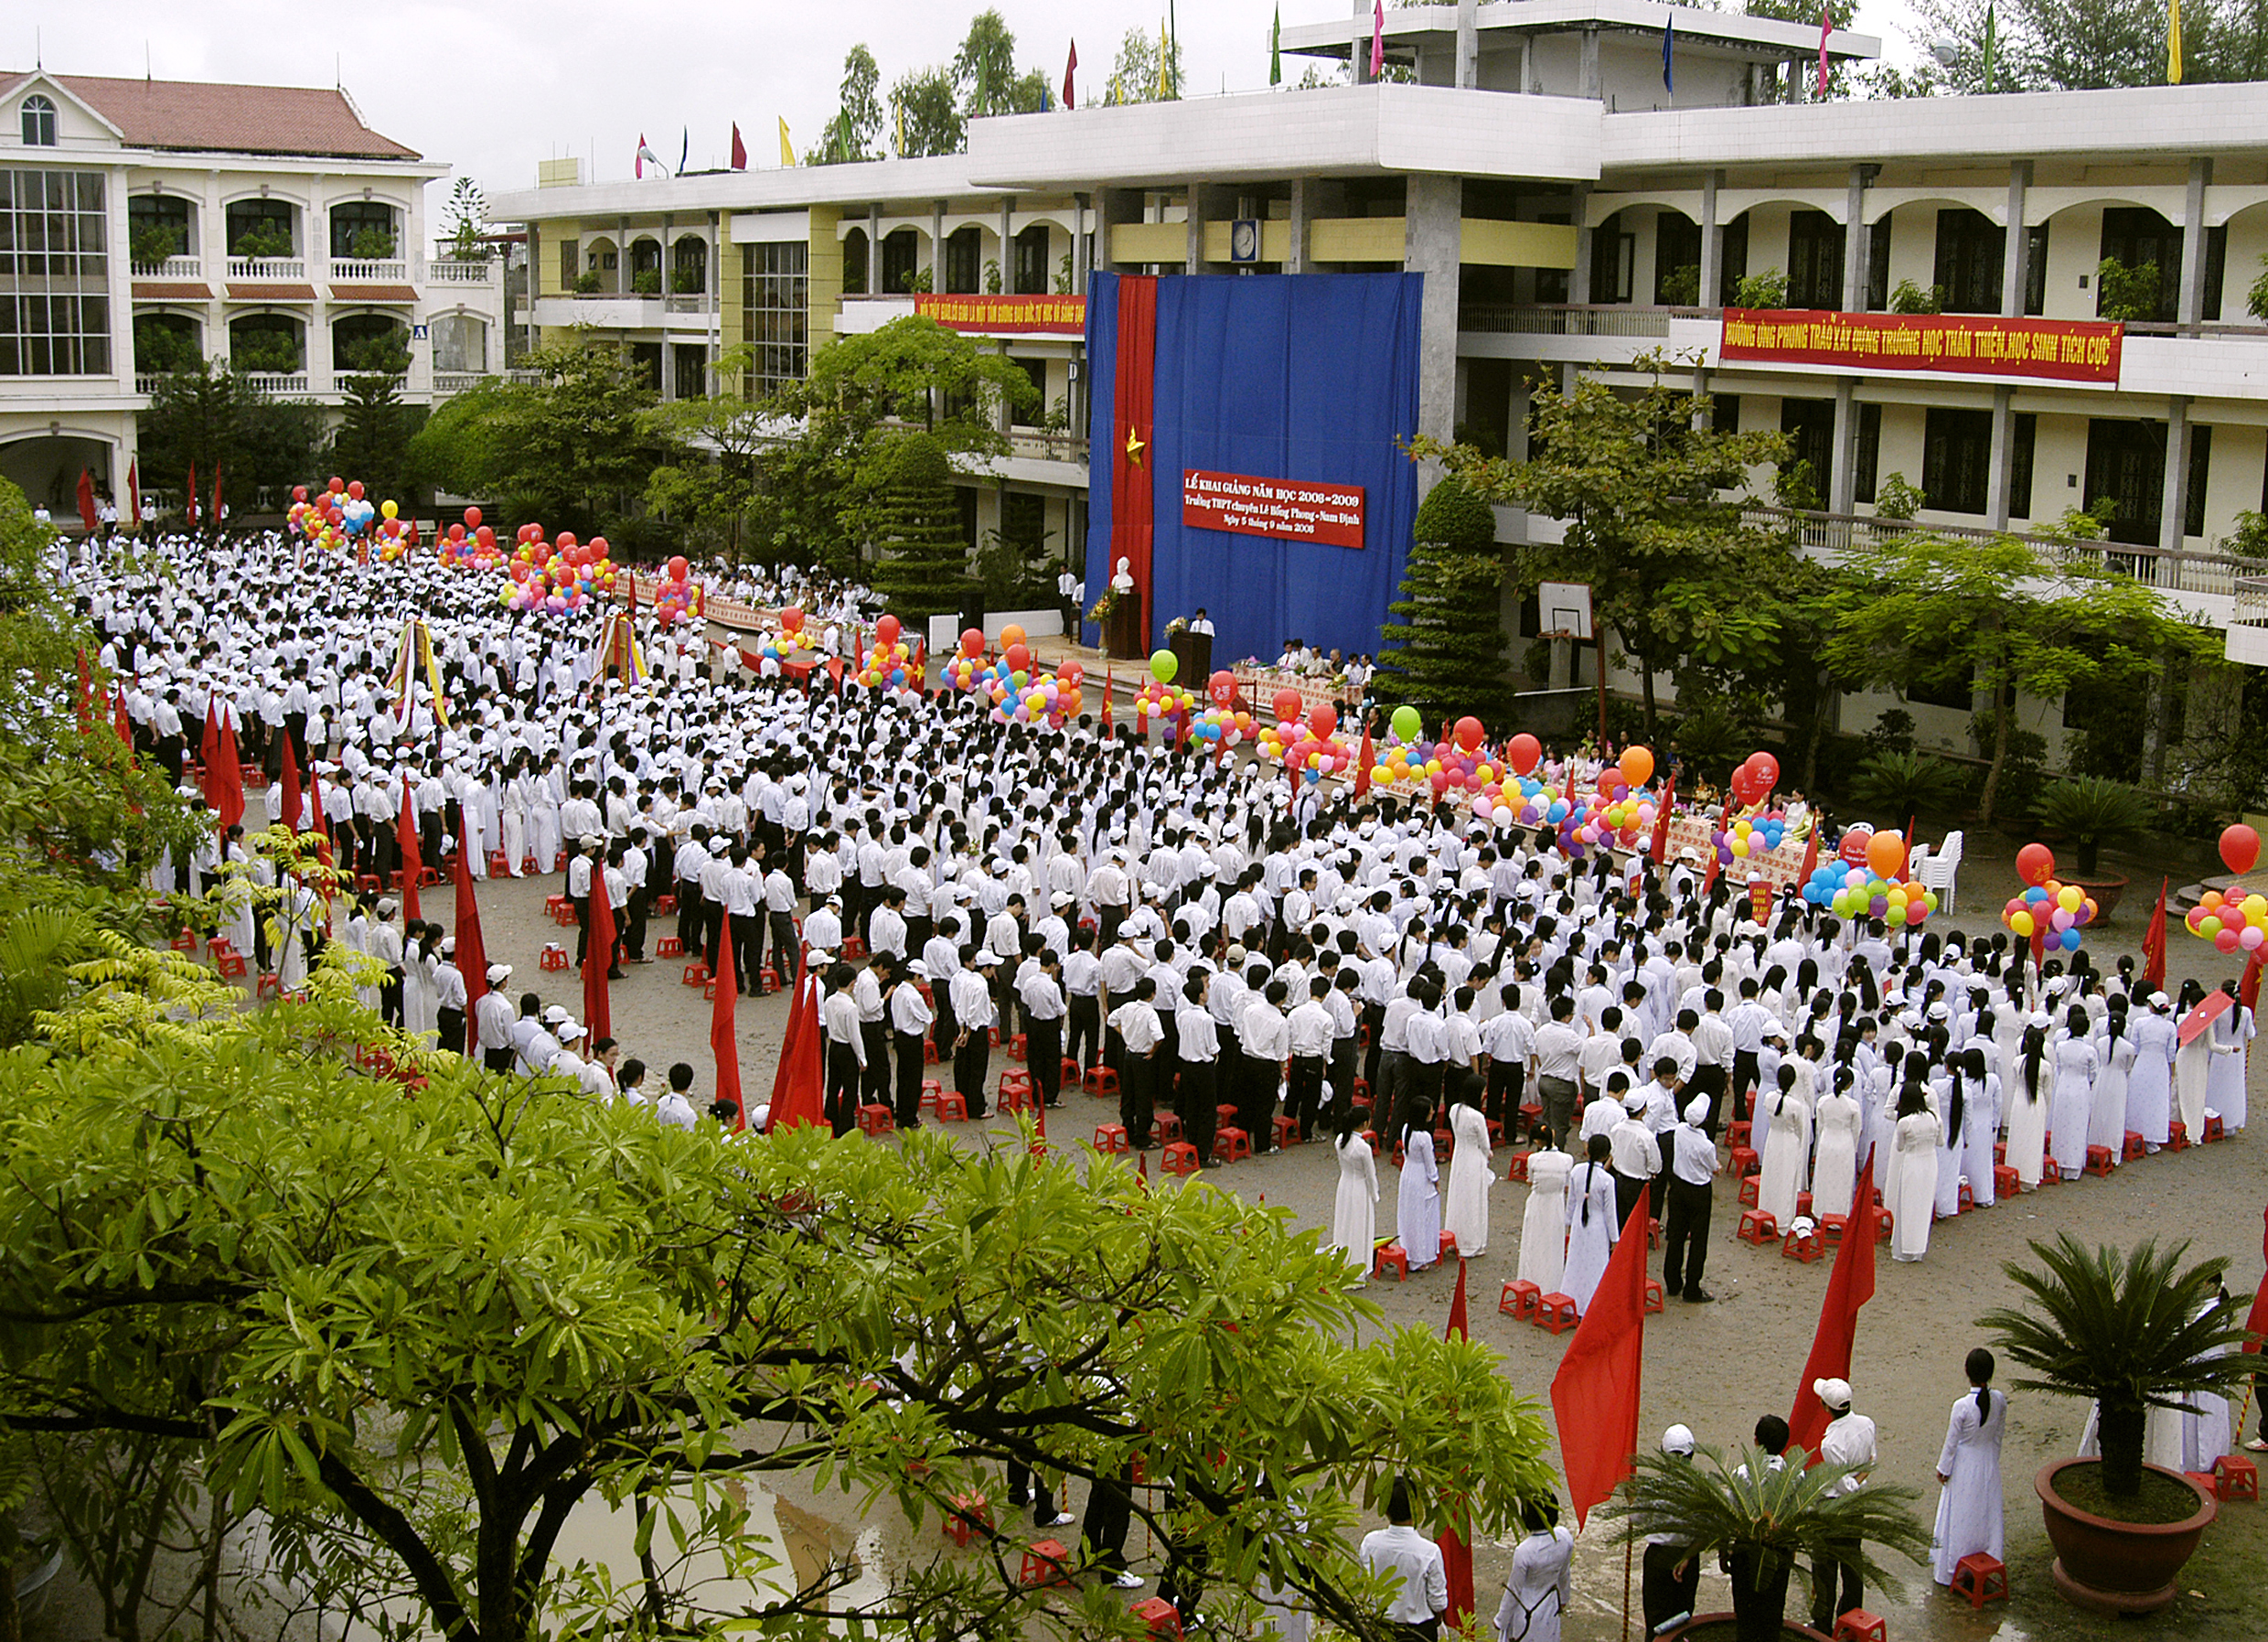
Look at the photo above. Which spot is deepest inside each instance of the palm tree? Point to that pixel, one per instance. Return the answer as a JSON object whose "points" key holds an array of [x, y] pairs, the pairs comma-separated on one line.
{"points": [[1768, 1519], [2131, 1331]]}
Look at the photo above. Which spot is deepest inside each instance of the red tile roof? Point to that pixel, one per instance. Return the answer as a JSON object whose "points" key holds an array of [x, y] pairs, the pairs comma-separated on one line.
{"points": [[230, 119], [343, 292], [239, 292], [158, 290]]}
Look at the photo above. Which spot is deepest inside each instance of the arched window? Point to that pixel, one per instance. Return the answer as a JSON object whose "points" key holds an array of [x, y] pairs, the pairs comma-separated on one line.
{"points": [[39, 122]]}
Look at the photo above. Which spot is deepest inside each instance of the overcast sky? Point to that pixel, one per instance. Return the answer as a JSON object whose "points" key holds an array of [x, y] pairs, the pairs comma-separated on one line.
{"points": [[493, 86]]}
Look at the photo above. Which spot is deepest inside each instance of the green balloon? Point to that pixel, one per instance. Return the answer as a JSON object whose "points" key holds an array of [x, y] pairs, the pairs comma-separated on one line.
{"points": [[1406, 722], [1163, 665]]}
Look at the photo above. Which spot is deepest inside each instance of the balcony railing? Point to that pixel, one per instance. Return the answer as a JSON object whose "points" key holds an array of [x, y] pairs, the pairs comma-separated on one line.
{"points": [[359, 272], [447, 382], [449, 271], [149, 381], [173, 267], [278, 383], [2171, 571], [2252, 602], [1573, 319], [689, 302], [1047, 447], [267, 267]]}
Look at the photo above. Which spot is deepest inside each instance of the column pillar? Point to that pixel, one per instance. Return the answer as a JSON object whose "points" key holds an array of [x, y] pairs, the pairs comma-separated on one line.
{"points": [[1467, 44], [1579, 277], [1195, 257], [1358, 51], [2000, 474], [2176, 508], [1855, 241], [2191, 307], [1112, 208], [2014, 276], [1007, 244], [1432, 236], [1589, 86], [936, 245], [1842, 475], [1712, 243], [1302, 209], [874, 248], [1080, 267]]}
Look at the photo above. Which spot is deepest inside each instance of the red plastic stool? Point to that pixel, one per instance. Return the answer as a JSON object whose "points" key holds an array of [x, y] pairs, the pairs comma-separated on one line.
{"points": [[709, 987], [1802, 1205], [499, 864], [2004, 1181], [1017, 1082], [1558, 1313], [1045, 1563], [1016, 1046], [1981, 1579], [2101, 1160], [1654, 1234], [1102, 1081], [1518, 1169], [1519, 1299], [1833, 1227], [267, 986], [1230, 1145], [1162, 1616], [1738, 1135], [1110, 1137], [2133, 1147], [952, 1107], [1751, 1191], [2213, 1130], [1885, 1223], [554, 957], [2236, 1477], [853, 949], [929, 1052], [2177, 1138], [1859, 1625], [876, 1120], [1395, 1256], [1654, 1299], [1287, 1131], [368, 883], [1068, 1077], [1964, 1198], [228, 961], [1224, 1115], [969, 1516], [1800, 1246], [1449, 1245], [1745, 1160], [665, 905], [668, 946], [1181, 1158], [696, 974], [186, 941], [1758, 1227], [1013, 1097]]}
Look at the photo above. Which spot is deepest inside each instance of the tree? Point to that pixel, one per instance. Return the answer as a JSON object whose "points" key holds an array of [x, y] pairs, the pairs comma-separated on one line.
{"points": [[929, 113], [852, 134], [2040, 46], [984, 69], [372, 439], [468, 222], [456, 450], [210, 416], [1654, 499], [923, 567], [1918, 608], [419, 1334], [716, 447], [573, 445], [1444, 653], [1134, 76]]}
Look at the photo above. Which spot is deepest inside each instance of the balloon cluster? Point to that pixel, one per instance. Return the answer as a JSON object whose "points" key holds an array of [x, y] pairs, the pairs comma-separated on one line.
{"points": [[1752, 783], [1749, 835], [2051, 912], [1020, 693], [1311, 744], [791, 640], [557, 577], [1222, 723], [677, 599], [1866, 879], [887, 664], [341, 514], [471, 545], [1158, 696], [2235, 918]]}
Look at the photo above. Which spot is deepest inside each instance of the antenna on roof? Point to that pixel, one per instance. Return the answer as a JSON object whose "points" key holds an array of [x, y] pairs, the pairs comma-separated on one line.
{"points": [[38, 51], [146, 75]]}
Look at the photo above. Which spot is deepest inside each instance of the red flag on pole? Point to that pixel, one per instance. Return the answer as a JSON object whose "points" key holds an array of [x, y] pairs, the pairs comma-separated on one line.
{"points": [[1363, 764], [1660, 846], [1594, 1396], [799, 1086], [2256, 1325], [229, 775], [1810, 857], [598, 955], [1849, 1287], [723, 1040], [1292, 805], [123, 719], [472, 952], [2154, 943], [209, 749], [1457, 1550], [2248, 988], [740, 149], [1071, 67], [134, 493], [405, 832], [216, 512], [192, 494], [1827, 25], [86, 499], [292, 793]]}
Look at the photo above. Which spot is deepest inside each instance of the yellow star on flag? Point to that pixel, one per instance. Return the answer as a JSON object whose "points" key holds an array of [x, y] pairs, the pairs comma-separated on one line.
{"points": [[1134, 446]]}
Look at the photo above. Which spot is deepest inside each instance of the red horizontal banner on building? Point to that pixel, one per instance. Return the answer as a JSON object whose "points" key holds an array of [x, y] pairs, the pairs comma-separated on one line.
{"points": [[1021, 316], [2064, 350], [1289, 510]]}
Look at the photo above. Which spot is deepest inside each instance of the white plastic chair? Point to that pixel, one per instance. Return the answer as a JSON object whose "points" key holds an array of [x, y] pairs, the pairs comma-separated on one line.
{"points": [[1941, 871]]}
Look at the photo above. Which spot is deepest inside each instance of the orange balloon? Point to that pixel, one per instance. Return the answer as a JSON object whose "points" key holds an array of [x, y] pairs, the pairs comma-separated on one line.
{"points": [[1010, 634], [1637, 765], [1886, 854]]}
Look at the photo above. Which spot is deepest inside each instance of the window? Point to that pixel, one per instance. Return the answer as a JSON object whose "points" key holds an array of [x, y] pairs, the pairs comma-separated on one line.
{"points": [[266, 345], [854, 263], [1956, 459], [1867, 456], [2140, 238], [164, 342], [2035, 270], [55, 312], [2126, 464], [901, 254], [570, 264], [1032, 261], [1735, 235], [1810, 427], [363, 231], [1023, 522], [1972, 258], [2200, 472], [2215, 267], [261, 228], [964, 256], [689, 369], [157, 227], [1036, 372], [646, 365], [1552, 284], [1878, 265], [1814, 260], [773, 312], [370, 345], [460, 343], [1676, 261], [2027, 432], [1613, 262], [1945, 684], [688, 266], [1725, 413], [646, 274], [39, 122]]}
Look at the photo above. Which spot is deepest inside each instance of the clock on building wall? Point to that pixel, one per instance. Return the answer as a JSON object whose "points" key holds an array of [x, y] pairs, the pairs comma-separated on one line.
{"points": [[1244, 239]]}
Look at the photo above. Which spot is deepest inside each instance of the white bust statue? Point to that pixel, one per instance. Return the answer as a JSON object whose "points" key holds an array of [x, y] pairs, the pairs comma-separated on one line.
{"points": [[1124, 580]]}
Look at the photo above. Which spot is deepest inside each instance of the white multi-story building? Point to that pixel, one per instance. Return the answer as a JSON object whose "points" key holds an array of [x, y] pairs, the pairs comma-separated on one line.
{"points": [[1582, 183], [144, 223]]}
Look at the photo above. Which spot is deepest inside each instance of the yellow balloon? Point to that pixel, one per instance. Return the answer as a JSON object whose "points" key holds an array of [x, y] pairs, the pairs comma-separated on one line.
{"points": [[2070, 898], [2022, 924], [1740, 845], [388, 510]]}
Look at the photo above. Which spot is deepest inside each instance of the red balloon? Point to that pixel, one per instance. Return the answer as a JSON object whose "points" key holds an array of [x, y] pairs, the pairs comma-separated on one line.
{"points": [[299, 493], [972, 639], [472, 519], [1469, 733], [677, 568], [1323, 718], [456, 532], [1074, 671], [566, 539], [1526, 754], [355, 491], [2239, 848], [2035, 863], [1853, 849], [485, 535], [1019, 658], [886, 631], [1439, 781], [1765, 769], [598, 547], [336, 485], [1222, 687]]}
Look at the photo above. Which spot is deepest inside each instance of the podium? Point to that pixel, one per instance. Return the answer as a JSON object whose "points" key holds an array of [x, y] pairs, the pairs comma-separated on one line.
{"points": [[1126, 634], [1194, 652]]}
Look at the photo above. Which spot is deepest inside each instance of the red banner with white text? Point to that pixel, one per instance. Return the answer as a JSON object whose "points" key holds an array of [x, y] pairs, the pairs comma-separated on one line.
{"points": [[1007, 316], [1289, 510], [2063, 350]]}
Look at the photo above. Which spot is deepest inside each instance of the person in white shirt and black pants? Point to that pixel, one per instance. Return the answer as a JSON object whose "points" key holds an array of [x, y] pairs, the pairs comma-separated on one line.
{"points": [[1040, 994], [846, 1050], [1400, 1549], [1136, 1023]]}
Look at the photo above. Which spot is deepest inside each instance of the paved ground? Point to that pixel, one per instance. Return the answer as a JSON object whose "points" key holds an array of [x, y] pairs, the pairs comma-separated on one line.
{"points": [[1716, 1368]]}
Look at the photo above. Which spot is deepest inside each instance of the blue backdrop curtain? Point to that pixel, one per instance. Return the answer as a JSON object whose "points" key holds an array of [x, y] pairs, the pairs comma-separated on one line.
{"points": [[1306, 376]]}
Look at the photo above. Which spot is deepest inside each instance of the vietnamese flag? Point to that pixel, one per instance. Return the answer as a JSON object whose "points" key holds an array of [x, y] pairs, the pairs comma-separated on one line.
{"points": [[799, 1086], [1457, 1550], [1594, 1396], [413, 864], [472, 952], [1134, 405], [1848, 1288], [1362, 786], [87, 515], [724, 1039], [291, 794], [1660, 847], [2154, 943], [123, 719], [598, 956]]}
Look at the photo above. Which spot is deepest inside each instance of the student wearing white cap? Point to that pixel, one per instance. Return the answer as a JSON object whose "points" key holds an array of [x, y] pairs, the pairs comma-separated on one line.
{"points": [[1849, 1440], [1670, 1578], [1686, 1228], [492, 1021]]}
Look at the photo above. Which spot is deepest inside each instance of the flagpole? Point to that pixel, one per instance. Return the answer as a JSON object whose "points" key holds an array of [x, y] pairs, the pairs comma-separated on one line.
{"points": [[1627, 1545]]}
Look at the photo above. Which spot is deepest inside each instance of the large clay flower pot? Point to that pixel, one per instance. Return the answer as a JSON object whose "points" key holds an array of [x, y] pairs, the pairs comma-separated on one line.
{"points": [[1720, 1627], [2106, 892], [2129, 1567]]}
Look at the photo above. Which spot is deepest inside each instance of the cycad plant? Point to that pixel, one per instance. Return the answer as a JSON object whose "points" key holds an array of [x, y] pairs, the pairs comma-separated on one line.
{"points": [[1897, 783], [2094, 810], [1767, 1520], [2133, 1331]]}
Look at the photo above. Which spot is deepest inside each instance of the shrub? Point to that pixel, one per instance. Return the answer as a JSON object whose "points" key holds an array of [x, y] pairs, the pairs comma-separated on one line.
{"points": [[1911, 298], [1765, 290], [1902, 784], [1895, 499], [2094, 812]]}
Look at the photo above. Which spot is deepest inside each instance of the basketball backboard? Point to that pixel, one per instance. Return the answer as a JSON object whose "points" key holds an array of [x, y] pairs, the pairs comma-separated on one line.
{"points": [[1564, 610]]}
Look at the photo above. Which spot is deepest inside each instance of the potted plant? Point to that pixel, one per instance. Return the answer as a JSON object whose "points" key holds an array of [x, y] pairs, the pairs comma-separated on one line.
{"points": [[2094, 811], [2137, 1333], [1767, 1524]]}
